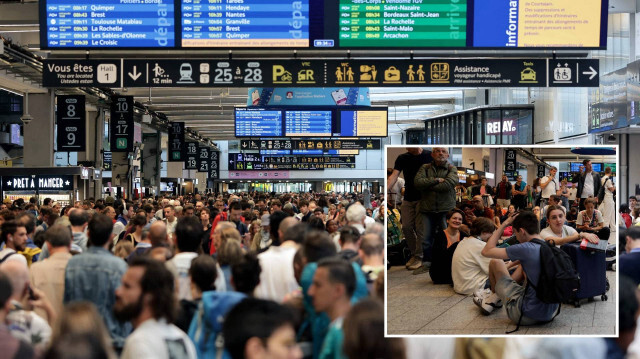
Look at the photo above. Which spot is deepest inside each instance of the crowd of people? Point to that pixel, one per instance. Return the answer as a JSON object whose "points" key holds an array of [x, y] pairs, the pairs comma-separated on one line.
{"points": [[248, 275], [482, 239]]}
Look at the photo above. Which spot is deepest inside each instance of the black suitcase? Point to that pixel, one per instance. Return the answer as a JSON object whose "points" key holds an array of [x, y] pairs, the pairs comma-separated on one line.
{"points": [[592, 267], [398, 254]]}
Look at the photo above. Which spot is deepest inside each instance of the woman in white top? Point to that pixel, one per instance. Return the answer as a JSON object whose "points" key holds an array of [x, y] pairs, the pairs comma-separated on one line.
{"points": [[608, 206], [558, 232]]}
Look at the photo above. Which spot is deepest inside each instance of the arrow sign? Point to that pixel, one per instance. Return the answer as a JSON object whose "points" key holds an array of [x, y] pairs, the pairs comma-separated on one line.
{"points": [[135, 75], [593, 73]]}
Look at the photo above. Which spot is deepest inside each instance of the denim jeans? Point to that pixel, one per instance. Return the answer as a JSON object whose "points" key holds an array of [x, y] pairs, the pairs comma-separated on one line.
{"points": [[432, 222]]}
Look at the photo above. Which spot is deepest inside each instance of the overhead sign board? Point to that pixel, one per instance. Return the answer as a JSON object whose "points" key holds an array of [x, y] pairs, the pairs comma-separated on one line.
{"points": [[121, 124], [106, 160], [214, 164], [176, 142], [318, 73], [35, 182], [203, 159], [247, 161], [330, 144], [191, 156], [81, 73], [510, 161], [107, 24], [311, 122], [324, 24], [71, 121]]}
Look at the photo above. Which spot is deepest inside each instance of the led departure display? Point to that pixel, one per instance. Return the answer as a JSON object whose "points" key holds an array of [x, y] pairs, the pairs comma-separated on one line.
{"points": [[107, 24], [324, 24]]}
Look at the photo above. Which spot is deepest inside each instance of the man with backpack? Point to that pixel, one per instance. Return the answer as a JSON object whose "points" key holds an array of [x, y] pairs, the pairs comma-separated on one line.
{"points": [[528, 303]]}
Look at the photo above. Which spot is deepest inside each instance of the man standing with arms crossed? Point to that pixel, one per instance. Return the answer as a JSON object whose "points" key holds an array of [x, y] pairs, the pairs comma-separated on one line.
{"points": [[409, 163], [437, 183]]}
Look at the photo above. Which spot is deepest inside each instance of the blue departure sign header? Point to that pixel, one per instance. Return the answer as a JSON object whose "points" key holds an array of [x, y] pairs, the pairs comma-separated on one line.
{"points": [[108, 24]]}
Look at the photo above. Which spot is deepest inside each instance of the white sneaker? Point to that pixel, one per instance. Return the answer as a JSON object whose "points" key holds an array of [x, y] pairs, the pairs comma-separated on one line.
{"points": [[482, 293], [486, 306]]}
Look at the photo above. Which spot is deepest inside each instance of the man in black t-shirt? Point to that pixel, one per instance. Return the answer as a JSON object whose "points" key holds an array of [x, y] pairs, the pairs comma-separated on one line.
{"points": [[409, 163]]}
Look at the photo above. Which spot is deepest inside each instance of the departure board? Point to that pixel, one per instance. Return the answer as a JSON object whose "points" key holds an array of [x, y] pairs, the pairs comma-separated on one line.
{"points": [[415, 23], [108, 24], [308, 123], [258, 123], [245, 23]]}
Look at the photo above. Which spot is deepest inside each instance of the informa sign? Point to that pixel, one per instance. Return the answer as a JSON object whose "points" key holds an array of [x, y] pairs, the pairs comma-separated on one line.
{"points": [[191, 157], [538, 24], [71, 120], [121, 124], [325, 96], [363, 123], [176, 142], [35, 182], [107, 24], [214, 164], [346, 76], [245, 23], [203, 159], [259, 174], [329, 144], [403, 24]]}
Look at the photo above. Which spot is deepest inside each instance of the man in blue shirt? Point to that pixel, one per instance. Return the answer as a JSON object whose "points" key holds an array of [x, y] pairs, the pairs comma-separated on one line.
{"points": [[334, 282], [503, 285], [630, 262], [95, 275]]}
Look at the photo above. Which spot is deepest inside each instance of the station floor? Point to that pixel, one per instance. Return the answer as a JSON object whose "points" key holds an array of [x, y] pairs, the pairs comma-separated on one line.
{"points": [[416, 306]]}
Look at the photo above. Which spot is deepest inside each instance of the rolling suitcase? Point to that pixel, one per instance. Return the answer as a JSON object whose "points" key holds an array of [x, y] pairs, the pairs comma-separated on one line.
{"points": [[592, 267]]}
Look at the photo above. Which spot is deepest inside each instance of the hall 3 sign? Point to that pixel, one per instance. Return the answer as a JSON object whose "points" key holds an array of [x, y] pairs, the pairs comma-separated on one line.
{"points": [[32, 183]]}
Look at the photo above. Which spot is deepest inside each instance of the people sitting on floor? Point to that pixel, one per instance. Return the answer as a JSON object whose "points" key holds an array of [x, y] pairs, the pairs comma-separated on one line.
{"points": [[590, 220], [521, 302], [559, 232], [444, 246], [554, 200], [469, 268]]}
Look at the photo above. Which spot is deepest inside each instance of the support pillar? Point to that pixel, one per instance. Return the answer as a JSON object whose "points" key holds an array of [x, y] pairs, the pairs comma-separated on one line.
{"points": [[39, 133]]}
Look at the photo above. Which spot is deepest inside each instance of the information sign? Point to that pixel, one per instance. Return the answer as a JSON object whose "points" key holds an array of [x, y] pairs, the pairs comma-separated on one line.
{"points": [[71, 122], [121, 124]]}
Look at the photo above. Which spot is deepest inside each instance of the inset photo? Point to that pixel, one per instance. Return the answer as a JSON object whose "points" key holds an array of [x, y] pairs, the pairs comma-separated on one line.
{"points": [[486, 240]]}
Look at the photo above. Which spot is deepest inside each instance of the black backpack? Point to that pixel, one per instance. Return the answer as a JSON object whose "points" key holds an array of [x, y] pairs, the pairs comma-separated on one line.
{"points": [[558, 282]]}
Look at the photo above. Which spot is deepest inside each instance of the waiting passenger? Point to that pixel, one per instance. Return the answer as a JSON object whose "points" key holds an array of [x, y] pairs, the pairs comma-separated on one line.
{"points": [[560, 233], [590, 220], [523, 307], [469, 268], [444, 246]]}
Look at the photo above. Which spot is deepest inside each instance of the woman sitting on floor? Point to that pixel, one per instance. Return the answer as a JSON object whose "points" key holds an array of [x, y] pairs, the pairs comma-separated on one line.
{"points": [[444, 245]]}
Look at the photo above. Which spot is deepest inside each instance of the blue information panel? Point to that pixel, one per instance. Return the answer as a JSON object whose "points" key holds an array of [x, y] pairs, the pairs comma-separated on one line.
{"points": [[245, 23], [258, 123], [308, 123], [108, 24]]}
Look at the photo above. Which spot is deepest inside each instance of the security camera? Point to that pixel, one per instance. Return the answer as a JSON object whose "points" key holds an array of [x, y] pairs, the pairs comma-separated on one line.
{"points": [[26, 118]]}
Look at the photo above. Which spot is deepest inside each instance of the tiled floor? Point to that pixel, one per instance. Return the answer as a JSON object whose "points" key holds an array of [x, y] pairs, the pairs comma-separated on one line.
{"points": [[416, 306]]}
